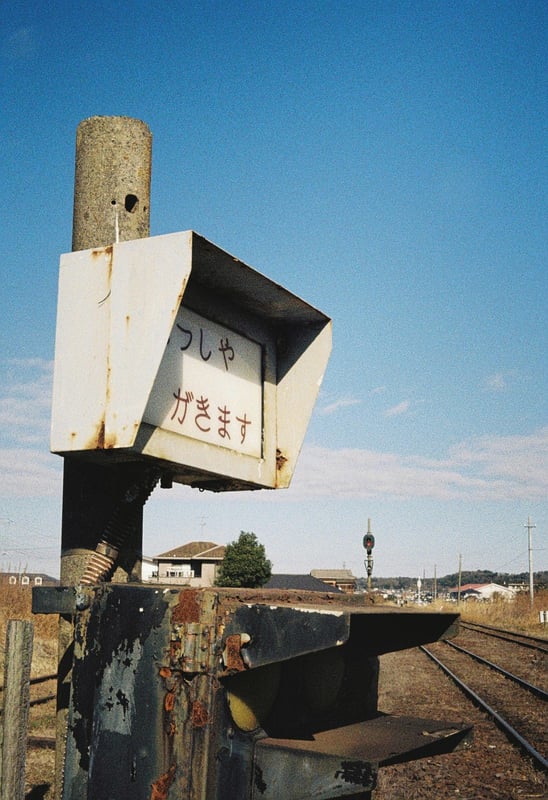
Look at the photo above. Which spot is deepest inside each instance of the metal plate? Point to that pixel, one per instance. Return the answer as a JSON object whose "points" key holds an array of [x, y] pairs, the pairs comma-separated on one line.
{"points": [[345, 761]]}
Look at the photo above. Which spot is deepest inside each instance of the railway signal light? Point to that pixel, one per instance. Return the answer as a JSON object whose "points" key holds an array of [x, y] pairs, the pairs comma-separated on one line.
{"points": [[369, 542]]}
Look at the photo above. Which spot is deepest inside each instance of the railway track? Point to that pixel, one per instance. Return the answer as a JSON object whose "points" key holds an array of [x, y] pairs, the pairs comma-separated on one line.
{"points": [[510, 695], [532, 642]]}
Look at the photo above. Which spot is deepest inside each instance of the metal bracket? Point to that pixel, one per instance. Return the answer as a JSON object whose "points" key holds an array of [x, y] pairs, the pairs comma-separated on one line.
{"points": [[191, 648]]}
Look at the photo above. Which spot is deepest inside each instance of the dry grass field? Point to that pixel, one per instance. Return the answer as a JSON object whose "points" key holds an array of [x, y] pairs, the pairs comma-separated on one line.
{"points": [[15, 603], [518, 614]]}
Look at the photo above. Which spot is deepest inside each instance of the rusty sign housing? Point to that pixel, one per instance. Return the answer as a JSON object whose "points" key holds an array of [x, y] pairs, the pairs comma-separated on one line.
{"points": [[172, 350]]}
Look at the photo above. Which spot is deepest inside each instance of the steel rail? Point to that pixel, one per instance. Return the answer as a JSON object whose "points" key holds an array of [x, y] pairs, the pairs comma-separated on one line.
{"points": [[533, 642], [536, 690], [511, 733]]}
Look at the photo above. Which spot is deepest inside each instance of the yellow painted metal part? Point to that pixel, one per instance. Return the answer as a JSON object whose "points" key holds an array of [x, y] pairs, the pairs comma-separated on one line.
{"points": [[251, 695]]}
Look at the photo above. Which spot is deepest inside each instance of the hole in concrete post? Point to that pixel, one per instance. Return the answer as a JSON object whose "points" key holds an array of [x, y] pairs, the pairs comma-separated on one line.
{"points": [[131, 203]]}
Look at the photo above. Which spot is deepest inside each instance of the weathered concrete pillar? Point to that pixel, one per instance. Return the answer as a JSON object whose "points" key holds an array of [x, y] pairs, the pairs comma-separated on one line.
{"points": [[112, 182], [111, 204]]}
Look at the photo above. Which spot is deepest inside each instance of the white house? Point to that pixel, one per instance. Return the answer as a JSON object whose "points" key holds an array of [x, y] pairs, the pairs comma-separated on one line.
{"points": [[482, 591], [192, 564]]}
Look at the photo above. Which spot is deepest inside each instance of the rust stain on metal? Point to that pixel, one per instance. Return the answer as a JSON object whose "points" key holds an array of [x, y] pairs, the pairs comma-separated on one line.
{"points": [[280, 459], [165, 672], [100, 441], [188, 608], [107, 252], [199, 715], [169, 701], [97, 252], [175, 650], [101, 435], [232, 654], [160, 788]]}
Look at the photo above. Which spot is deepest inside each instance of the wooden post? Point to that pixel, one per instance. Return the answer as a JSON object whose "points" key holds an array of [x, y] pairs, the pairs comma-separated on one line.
{"points": [[111, 204], [13, 745]]}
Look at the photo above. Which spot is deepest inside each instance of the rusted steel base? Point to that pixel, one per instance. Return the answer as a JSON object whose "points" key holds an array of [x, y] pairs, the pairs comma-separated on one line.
{"points": [[189, 694]]}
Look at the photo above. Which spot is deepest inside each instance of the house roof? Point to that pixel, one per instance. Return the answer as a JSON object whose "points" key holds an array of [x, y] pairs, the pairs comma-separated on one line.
{"points": [[287, 581], [344, 575], [479, 587], [207, 551]]}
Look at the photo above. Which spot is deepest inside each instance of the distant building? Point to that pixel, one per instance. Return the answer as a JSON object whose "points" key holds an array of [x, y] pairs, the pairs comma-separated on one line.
{"points": [[196, 564], [481, 591], [341, 579], [149, 569], [193, 564], [13, 578]]}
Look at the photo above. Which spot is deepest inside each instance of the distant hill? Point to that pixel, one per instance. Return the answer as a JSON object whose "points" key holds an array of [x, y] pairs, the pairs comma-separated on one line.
{"points": [[448, 581]]}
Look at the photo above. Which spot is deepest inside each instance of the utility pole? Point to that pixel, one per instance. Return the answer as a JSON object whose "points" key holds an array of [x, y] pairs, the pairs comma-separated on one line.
{"points": [[435, 587], [460, 578], [530, 525]]}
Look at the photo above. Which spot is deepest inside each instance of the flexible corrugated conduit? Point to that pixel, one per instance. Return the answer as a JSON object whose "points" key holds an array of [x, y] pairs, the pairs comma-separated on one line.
{"points": [[118, 529]]}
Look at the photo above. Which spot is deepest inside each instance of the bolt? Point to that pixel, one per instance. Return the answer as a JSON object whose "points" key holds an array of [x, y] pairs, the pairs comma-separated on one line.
{"points": [[82, 601]]}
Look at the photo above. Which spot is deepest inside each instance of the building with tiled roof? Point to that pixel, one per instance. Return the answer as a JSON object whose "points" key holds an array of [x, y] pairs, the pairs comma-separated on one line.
{"points": [[192, 564], [340, 578]]}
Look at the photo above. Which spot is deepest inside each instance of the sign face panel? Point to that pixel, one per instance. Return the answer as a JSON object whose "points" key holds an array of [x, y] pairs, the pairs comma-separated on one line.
{"points": [[209, 386]]}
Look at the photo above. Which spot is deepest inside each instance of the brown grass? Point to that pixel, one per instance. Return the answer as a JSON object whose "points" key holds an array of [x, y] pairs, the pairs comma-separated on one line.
{"points": [[517, 614], [15, 603]]}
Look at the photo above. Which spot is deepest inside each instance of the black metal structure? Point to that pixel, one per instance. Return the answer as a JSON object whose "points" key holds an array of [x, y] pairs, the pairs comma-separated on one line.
{"points": [[234, 694]]}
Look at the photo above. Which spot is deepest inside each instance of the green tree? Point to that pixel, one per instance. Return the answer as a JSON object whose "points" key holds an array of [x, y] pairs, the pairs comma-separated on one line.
{"points": [[245, 563]]}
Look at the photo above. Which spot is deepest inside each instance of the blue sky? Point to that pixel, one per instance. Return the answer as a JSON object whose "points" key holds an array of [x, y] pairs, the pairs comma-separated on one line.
{"points": [[386, 161]]}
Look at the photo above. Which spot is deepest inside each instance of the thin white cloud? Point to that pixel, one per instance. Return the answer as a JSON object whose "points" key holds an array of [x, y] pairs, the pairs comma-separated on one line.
{"points": [[496, 382], [396, 411], [25, 402], [26, 467], [29, 473], [336, 405], [486, 468]]}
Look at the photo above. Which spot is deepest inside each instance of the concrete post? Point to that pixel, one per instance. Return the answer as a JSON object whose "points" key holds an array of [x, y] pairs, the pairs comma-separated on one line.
{"points": [[112, 182], [111, 203]]}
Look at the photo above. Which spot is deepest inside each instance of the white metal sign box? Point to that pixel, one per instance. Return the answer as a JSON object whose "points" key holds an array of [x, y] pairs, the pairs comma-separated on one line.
{"points": [[170, 349]]}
